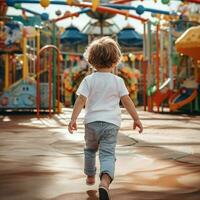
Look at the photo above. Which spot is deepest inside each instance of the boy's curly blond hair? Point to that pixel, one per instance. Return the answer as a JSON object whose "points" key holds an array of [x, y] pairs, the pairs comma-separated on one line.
{"points": [[103, 53]]}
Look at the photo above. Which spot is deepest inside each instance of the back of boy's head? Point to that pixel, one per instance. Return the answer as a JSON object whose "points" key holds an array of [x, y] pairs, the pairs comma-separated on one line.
{"points": [[103, 53]]}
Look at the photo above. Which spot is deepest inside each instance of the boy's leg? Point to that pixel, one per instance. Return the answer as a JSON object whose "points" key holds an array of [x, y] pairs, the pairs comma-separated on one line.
{"points": [[105, 180], [107, 158], [91, 147]]}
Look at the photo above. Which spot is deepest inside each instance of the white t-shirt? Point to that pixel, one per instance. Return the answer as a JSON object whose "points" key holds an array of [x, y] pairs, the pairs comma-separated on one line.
{"points": [[103, 91]]}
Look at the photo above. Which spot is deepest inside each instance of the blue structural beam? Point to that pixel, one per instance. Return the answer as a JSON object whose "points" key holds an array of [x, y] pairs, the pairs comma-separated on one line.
{"points": [[43, 16], [139, 9], [84, 10], [13, 2]]}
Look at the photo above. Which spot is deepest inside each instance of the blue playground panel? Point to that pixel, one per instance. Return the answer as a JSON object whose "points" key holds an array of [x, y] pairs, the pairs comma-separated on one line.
{"points": [[22, 95]]}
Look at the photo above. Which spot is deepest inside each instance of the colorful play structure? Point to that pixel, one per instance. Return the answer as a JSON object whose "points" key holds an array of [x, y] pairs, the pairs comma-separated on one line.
{"points": [[189, 44], [28, 70], [42, 64], [166, 86]]}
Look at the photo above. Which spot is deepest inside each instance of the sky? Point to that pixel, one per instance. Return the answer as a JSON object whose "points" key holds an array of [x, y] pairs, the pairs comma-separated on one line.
{"points": [[83, 19]]}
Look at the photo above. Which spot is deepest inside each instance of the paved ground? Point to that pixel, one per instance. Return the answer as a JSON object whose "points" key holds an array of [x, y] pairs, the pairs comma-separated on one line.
{"points": [[39, 160]]}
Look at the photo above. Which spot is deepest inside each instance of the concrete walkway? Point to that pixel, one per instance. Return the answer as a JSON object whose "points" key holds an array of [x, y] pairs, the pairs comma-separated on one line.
{"points": [[40, 160]]}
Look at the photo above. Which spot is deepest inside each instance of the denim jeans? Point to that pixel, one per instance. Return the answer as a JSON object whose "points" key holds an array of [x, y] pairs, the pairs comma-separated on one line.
{"points": [[100, 136]]}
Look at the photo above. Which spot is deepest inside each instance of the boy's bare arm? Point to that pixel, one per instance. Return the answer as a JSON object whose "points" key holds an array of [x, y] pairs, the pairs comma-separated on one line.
{"points": [[130, 107], [78, 106]]}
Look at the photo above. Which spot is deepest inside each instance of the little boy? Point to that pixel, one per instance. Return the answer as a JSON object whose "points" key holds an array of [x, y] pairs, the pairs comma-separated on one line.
{"points": [[101, 93]]}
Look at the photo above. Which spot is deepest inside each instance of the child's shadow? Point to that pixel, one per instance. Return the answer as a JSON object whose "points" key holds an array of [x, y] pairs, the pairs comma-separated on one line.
{"points": [[92, 195]]}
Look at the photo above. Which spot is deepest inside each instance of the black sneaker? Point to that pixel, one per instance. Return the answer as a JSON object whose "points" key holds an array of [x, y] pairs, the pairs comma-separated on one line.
{"points": [[103, 193]]}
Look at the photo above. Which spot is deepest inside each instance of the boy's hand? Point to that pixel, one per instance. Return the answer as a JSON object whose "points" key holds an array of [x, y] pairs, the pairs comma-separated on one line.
{"points": [[137, 123], [72, 126]]}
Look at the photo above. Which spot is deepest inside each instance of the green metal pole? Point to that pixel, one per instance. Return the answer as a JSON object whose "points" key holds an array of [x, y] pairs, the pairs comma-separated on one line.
{"points": [[197, 107], [54, 67], [171, 84], [161, 55]]}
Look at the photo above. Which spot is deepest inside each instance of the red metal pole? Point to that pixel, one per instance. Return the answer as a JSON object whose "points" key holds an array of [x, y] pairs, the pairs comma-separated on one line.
{"points": [[157, 57], [58, 81], [193, 1], [121, 1], [144, 65], [50, 80], [157, 60]]}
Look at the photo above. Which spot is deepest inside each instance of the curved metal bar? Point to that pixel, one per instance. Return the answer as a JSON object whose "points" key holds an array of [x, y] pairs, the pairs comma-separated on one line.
{"points": [[47, 47], [101, 9]]}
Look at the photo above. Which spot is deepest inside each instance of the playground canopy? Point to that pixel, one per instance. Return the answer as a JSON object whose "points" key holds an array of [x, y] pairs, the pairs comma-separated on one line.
{"points": [[73, 35], [129, 37], [189, 42]]}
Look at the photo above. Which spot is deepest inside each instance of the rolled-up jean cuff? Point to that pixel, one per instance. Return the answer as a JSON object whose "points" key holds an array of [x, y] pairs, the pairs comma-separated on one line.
{"points": [[90, 172], [108, 173]]}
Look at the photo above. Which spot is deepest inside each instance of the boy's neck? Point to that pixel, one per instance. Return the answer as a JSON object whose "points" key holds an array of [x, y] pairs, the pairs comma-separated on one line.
{"points": [[105, 69]]}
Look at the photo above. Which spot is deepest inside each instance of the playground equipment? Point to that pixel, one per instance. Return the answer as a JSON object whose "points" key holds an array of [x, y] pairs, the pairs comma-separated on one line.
{"points": [[48, 90], [130, 38], [183, 97], [158, 66], [158, 75], [104, 7], [189, 44], [162, 94], [20, 91], [162, 75], [86, 7], [19, 88]]}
